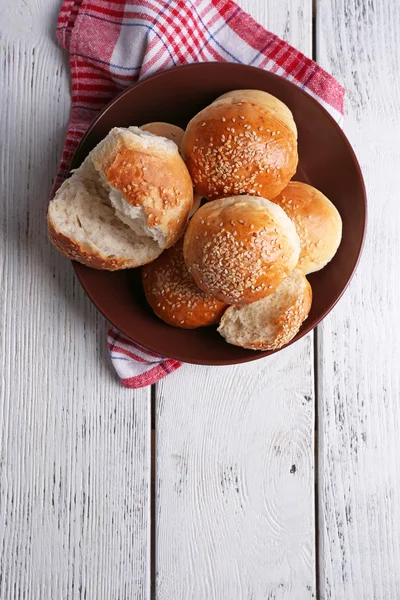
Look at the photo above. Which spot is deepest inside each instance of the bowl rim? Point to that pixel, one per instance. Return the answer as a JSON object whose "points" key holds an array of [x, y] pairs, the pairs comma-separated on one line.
{"points": [[305, 329]]}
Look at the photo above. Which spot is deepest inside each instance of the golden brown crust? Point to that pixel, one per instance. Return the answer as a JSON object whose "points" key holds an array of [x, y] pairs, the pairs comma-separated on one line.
{"points": [[167, 130], [289, 322], [175, 134], [266, 101], [160, 187], [150, 173], [173, 295], [196, 204], [237, 252], [239, 148], [317, 222], [85, 253]]}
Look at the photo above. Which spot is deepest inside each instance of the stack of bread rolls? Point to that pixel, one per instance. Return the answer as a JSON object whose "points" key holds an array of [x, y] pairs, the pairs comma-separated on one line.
{"points": [[239, 260]]}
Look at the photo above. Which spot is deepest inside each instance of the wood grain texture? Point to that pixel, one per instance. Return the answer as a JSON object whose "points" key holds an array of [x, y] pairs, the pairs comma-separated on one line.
{"points": [[234, 472], [359, 387], [75, 447]]}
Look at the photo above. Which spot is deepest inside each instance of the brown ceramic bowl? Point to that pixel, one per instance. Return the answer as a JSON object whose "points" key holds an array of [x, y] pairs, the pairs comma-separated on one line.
{"points": [[327, 161]]}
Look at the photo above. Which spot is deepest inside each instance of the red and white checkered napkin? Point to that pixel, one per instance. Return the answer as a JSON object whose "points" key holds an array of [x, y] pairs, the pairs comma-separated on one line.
{"points": [[114, 43]]}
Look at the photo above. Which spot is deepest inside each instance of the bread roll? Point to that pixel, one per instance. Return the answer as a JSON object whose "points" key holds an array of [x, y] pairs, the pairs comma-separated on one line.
{"points": [[245, 142], [167, 130], [174, 133], [272, 322], [267, 101], [150, 187], [240, 249], [317, 223], [129, 200], [83, 226], [174, 296], [196, 204]]}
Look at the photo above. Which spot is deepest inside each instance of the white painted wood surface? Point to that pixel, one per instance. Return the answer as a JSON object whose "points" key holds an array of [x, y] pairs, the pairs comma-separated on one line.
{"points": [[74, 445], [235, 487], [359, 382]]}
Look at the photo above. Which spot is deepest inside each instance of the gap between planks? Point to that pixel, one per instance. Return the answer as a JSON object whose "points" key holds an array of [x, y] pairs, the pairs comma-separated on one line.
{"points": [[153, 451], [316, 399]]}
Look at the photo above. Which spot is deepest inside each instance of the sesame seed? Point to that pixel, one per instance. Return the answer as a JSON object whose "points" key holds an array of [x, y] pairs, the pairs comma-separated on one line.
{"points": [[223, 119], [203, 124]]}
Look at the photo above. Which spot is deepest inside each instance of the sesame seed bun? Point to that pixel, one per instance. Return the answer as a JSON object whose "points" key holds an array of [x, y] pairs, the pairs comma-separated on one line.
{"points": [[173, 295], [272, 322], [245, 142], [317, 223], [267, 101], [175, 134], [239, 249]]}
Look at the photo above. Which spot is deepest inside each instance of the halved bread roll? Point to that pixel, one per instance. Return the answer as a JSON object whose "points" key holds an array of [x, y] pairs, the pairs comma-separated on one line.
{"points": [[83, 226], [272, 322], [127, 202], [175, 134]]}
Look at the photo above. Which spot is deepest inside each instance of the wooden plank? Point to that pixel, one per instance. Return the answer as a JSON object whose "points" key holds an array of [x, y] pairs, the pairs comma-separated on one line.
{"points": [[75, 446], [359, 386], [235, 501]]}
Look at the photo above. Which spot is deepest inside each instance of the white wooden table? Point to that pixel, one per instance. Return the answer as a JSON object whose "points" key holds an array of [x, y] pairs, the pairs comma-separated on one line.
{"points": [[277, 479]]}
